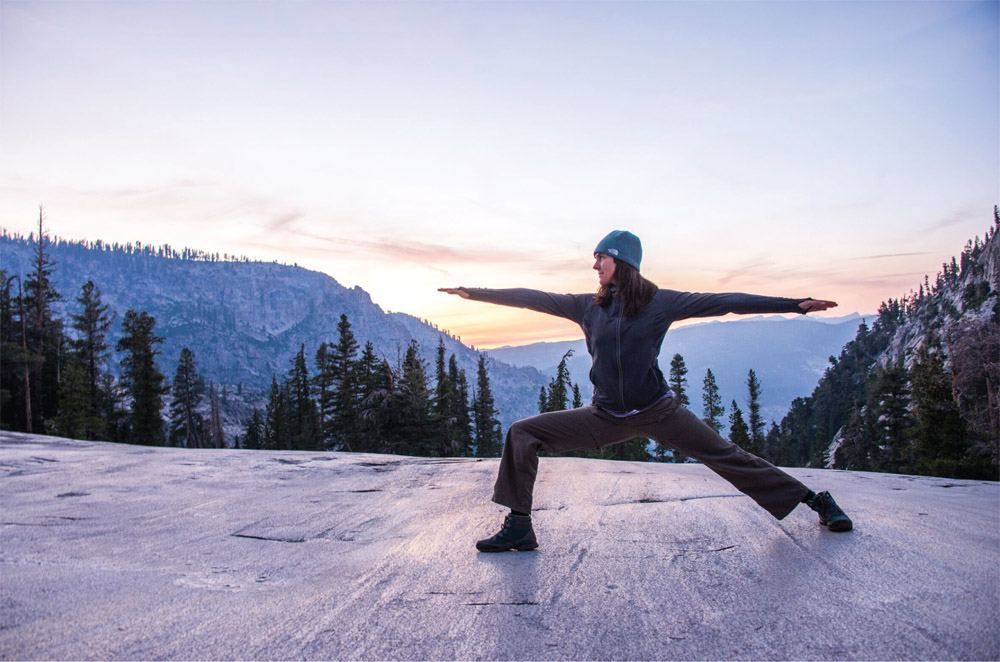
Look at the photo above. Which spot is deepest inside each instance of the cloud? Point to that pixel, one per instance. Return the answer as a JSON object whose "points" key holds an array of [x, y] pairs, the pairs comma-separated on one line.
{"points": [[956, 217], [181, 202], [887, 255], [282, 229], [437, 256], [283, 219], [751, 270], [877, 281]]}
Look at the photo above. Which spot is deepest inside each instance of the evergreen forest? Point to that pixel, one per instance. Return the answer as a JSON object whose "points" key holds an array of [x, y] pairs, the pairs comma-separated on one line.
{"points": [[56, 378], [917, 391]]}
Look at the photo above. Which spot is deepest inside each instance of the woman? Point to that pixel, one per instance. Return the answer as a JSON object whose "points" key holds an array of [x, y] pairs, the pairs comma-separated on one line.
{"points": [[624, 325]]}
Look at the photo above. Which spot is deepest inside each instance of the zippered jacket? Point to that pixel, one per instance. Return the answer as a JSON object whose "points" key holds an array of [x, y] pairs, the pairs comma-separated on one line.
{"points": [[624, 351]]}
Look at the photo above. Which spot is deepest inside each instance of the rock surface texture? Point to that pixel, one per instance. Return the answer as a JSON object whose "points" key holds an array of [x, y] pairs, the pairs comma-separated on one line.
{"points": [[125, 552]]}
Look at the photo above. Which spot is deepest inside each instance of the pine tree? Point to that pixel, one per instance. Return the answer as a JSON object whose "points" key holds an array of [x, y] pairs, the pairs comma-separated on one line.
{"points": [[489, 440], [112, 408], [856, 450], [346, 348], [8, 372], [16, 360], [324, 388], [91, 325], [79, 413], [416, 432], [443, 405], [756, 423], [302, 416], [940, 442], [712, 407], [372, 394], [974, 353], [344, 419], [187, 426], [678, 380], [771, 443], [889, 405], [216, 436], [277, 432], [44, 334], [560, 387], [253, 437], [739, 433], [442, 390], [380, 403], [76, 418], [142, 379], [370, 372], [460, 412], [789, 446]]}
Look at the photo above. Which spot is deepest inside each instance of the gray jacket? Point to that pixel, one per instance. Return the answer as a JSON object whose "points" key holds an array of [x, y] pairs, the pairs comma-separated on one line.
{"points": [[625, 372]]}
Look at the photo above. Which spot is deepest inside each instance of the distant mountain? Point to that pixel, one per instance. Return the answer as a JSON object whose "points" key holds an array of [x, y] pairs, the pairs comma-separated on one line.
{"points": [[245, 321], [788, 356]]}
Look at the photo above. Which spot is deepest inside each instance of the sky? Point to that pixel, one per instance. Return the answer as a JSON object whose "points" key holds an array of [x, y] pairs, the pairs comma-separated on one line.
{"points": [[839, 150]]}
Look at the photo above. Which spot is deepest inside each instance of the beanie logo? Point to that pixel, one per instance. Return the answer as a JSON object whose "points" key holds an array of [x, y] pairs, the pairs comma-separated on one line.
{"points": [[613, 251]]}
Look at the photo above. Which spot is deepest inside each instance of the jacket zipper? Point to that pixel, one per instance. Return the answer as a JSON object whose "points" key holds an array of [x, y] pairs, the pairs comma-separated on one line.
{"points": [[618, 356]]}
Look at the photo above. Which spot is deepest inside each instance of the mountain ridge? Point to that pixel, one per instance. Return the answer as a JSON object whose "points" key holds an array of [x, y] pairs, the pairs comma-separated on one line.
{"points": [[245, 321]]}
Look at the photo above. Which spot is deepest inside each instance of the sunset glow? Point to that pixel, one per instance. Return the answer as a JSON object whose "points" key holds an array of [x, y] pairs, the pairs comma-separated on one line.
{"points": [[834, 150]]}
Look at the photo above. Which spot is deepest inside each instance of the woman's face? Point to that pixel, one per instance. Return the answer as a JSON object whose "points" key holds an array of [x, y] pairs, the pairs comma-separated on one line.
{"points": [[605, 267]]}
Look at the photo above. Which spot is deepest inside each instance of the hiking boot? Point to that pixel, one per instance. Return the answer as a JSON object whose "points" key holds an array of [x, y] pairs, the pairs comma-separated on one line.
{"points": [[830, 514], [516, 533]]}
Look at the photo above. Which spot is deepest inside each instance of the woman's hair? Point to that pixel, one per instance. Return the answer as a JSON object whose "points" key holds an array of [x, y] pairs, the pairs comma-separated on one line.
{"points": [[634, 289]]}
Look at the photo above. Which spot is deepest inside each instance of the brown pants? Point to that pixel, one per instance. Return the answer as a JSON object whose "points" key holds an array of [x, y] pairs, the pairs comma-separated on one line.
{"points": [[666, 423]]}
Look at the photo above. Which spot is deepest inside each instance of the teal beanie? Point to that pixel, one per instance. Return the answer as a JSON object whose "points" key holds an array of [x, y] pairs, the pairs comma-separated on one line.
{"points": [[621, 245]]}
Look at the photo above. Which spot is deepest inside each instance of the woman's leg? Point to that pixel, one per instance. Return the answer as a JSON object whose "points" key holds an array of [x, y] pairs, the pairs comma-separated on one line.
{"points": [[556, 432], [672, 425]]}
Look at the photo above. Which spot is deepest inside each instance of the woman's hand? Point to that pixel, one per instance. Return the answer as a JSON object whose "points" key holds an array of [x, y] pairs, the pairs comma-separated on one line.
{"points": [[816, 305], [462, 293]]}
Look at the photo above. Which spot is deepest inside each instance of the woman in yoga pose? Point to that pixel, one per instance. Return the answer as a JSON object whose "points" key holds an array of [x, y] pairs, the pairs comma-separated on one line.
{"points": [[624, 325]]}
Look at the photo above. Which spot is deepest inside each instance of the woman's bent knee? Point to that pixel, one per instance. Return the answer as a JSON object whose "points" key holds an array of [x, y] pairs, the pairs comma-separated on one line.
{"points": [[520, 436]]}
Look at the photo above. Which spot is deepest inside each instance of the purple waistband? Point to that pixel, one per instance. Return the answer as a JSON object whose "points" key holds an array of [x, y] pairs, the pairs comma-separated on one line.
{"points": [[626, 414]]}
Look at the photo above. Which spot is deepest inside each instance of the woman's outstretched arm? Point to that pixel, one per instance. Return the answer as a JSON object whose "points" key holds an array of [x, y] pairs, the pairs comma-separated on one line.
{"points": [[569, 306]]}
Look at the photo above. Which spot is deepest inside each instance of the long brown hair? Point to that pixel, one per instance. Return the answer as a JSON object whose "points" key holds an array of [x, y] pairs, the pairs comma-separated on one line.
{"points": [[634, 289]]}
